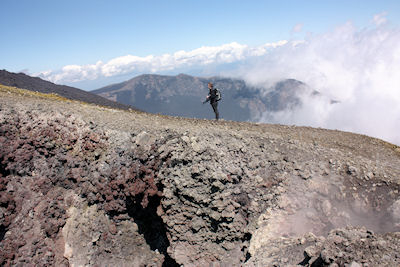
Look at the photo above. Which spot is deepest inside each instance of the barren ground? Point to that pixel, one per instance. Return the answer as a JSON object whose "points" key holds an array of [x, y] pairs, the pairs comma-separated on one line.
{"points": [[89, 185]]}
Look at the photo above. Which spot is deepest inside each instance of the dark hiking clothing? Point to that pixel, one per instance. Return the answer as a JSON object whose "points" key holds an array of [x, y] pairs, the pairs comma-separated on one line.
{"points": [[215, 108], [212, 97]]}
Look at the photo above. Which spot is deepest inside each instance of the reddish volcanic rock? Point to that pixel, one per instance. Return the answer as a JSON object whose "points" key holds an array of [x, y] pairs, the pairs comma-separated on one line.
{"points": [[45, 157]]}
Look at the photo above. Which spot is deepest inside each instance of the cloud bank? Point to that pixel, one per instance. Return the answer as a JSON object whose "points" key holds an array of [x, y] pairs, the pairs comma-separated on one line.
{"points": [[358, 67], [202, 56]]}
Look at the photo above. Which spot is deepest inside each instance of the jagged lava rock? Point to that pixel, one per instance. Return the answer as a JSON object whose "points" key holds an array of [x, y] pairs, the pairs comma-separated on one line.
{"points": [[84, 185]]}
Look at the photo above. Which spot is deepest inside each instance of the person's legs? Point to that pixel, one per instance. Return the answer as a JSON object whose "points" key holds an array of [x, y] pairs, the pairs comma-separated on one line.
{"points": [[215, 108]]}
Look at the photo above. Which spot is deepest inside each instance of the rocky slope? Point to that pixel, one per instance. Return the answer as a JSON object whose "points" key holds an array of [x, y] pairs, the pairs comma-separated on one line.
{"points": [[22, 80], [182, 95], [83, 185]]}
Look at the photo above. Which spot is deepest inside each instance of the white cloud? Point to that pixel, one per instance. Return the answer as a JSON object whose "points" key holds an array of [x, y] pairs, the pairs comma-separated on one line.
{"points": [[125, 64], [358, 67], [380, 18], [206, 55], [298, 28], [72, 73]]}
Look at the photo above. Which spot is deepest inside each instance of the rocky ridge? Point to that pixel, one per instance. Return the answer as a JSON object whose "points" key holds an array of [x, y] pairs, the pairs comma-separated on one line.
{"points": [[83, 185], [182, 95], [36, 84]]}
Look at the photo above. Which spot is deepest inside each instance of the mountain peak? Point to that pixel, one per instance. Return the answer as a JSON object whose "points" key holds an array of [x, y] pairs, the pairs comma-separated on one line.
{"points": [[180, 95], [181, 75]]}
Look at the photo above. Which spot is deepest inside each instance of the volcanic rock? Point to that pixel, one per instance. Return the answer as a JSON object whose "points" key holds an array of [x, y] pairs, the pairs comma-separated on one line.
{"points": [[84, 185]]}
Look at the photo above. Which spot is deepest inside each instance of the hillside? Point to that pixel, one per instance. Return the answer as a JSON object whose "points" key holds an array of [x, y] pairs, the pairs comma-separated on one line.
{"points": [[24, 81], [182, 95], [85, 185]]}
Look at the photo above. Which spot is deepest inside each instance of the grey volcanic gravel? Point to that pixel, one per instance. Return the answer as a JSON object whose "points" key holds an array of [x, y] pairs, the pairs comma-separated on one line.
{"points": [[87, 185]]}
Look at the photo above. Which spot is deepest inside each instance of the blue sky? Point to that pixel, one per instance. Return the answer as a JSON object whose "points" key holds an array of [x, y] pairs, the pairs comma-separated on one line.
{"points": [[47, 35]]}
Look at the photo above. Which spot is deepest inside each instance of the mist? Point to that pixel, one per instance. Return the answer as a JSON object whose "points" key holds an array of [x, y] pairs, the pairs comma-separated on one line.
{"points": [[359, 68]]}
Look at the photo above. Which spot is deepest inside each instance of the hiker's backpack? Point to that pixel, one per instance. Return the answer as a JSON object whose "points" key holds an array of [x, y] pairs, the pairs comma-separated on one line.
{"points": [[217, 94]]}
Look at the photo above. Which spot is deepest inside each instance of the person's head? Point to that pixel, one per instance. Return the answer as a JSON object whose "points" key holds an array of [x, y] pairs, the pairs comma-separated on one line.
{"points": [[210, 85]]}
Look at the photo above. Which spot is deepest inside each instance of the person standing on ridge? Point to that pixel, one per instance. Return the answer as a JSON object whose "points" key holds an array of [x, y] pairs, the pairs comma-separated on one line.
{"points": [[213, 96]]}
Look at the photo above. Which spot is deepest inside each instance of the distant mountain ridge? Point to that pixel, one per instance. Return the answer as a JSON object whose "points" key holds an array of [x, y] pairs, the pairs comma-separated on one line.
{"points": [[24, 81], [182, 95]]}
